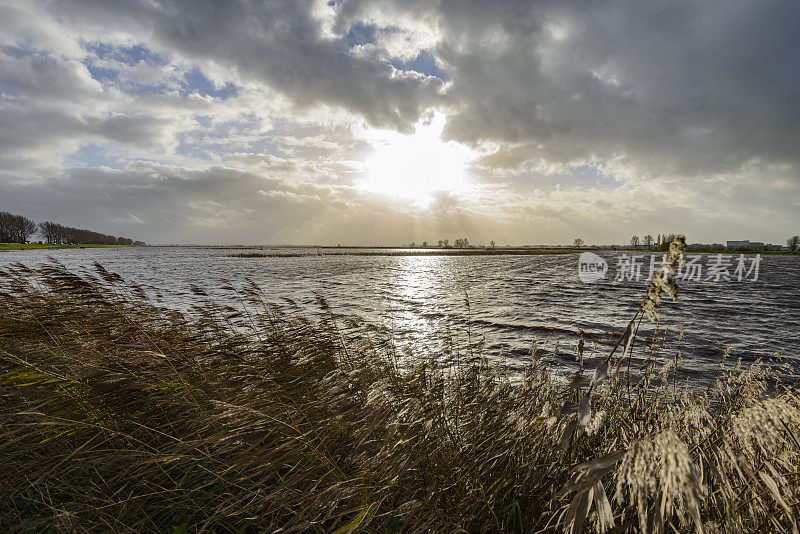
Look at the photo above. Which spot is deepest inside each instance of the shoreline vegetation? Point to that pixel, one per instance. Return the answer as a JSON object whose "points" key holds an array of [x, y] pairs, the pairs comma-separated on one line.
{"points": [[275, 251], [119, 415], [369, 251], [530, 251], [17, 230], [45, 246]]}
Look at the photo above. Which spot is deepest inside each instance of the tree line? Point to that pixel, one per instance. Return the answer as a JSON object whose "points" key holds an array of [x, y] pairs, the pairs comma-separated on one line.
{"points": [[462, 242], [19, 229], [663, 241], [15, 228], [458, 243]]}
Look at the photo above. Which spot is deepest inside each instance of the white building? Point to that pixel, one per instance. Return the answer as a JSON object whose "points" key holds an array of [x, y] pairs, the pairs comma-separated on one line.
{"points": [[745, 244]]}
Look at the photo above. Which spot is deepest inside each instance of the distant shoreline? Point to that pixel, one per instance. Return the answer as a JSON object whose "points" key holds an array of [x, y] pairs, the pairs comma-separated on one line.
{"points": [[479, 252], [43, 246], [394, 251], [505, 250], [332, 250]]}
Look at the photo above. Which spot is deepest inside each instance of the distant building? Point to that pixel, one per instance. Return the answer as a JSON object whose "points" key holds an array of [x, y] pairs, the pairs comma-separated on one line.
{"points": [[745, 245]]}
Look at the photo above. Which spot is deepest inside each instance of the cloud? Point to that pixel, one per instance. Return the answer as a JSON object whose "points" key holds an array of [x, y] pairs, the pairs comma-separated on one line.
{"points": [[688, 89], [279, 44], [252, 121]]}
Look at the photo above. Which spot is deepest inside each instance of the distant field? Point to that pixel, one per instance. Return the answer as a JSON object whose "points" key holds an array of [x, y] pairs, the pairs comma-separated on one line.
{"points": [[36, 246]]}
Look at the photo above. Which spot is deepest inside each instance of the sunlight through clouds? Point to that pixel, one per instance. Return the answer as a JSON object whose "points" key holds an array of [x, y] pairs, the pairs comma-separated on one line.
{"points": [[416, 166], [526, 122]]}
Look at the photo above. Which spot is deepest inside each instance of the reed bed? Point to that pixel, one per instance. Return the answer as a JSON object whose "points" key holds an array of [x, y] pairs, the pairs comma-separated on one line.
{"points": [[119, 415]]}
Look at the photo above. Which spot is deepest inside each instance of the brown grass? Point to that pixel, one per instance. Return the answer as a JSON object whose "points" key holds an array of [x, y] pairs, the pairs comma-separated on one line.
{"points": [[117, 415]]}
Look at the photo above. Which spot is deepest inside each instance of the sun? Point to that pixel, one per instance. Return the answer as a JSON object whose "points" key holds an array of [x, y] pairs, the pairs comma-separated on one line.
{"points": [[416, 166]]}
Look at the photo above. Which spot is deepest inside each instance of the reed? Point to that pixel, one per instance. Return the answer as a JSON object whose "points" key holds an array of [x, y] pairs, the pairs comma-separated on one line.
{"points": [[119, 415]]}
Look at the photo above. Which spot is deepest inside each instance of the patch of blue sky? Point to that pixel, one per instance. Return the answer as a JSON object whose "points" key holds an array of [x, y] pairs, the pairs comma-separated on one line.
{"points": [[111, 77], [361, 34], [192, 146], [105, 54], [102, 74], [127, 55], [425, 64], [204, 121], [358, 34], [195, 82], [96, 155]]}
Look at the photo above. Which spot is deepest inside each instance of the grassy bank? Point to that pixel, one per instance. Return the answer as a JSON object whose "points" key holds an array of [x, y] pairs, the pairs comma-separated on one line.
{"points": [[38, 246], [119, 415]]}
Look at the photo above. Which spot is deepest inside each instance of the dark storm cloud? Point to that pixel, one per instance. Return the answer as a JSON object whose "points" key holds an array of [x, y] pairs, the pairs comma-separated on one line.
{"points": [[681, 87]]}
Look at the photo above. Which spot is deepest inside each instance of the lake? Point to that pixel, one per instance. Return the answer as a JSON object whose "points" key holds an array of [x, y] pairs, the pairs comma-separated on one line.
{"points": [[514, 301]]}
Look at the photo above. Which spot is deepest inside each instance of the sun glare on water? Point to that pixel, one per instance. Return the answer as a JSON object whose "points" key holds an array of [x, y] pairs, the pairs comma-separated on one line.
{"points": [[416, 166]]}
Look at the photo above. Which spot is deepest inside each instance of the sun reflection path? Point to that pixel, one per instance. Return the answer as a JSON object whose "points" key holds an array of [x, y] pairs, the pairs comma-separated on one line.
{"points": [[420, 303]]}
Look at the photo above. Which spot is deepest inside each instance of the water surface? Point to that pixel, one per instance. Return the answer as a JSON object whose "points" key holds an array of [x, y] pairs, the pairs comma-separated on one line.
{"points": [[514, 301]]}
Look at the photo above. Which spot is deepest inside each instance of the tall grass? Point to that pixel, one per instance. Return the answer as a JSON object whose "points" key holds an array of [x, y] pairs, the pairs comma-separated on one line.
{"points": [[118, 415]]}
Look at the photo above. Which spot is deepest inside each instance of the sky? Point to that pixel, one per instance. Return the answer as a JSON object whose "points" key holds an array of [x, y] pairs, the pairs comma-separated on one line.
{"points": [[361, 122]]}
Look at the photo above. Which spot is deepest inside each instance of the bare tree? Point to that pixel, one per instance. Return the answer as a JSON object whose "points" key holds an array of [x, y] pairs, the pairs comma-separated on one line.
{"points": [[648, 240], [25, 229], [578, 242], [15, 228], [492, 243], [635, 241], [48, 231], [57, 234], [793, 242]]}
